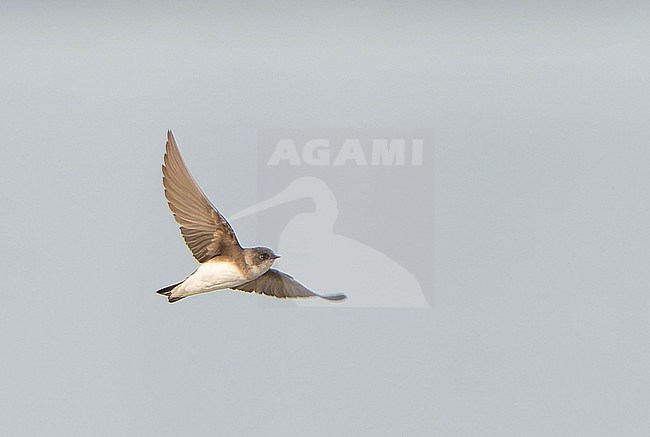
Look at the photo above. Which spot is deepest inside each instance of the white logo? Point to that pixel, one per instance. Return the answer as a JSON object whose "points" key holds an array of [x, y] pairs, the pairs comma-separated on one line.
{"points": [[352, 151]]}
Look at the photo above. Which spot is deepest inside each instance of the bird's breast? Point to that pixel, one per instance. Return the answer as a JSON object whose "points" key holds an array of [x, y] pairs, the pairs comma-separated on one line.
{"points": [[254, 272], [214, 275]]}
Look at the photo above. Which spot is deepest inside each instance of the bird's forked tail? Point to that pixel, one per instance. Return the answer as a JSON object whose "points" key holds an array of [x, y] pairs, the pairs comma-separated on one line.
{"points": [[167, 291]]}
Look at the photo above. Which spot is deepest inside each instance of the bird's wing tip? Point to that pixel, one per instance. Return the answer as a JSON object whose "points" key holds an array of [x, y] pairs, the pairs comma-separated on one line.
{"points": [[336, 296]]}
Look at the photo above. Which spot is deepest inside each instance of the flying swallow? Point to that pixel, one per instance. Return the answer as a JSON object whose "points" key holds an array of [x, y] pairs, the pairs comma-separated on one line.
{"points": [[224, 263]]}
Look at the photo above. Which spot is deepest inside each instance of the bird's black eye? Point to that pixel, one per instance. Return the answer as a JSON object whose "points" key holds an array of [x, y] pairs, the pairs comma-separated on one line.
{"points": [[264, 256]]}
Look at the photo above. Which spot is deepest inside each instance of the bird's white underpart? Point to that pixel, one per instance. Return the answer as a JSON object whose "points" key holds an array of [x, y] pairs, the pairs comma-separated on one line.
{"points": [[210, 276]]}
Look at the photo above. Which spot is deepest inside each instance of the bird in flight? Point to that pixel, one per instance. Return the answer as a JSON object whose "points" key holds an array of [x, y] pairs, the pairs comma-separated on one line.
{"points": [[224, 263]]}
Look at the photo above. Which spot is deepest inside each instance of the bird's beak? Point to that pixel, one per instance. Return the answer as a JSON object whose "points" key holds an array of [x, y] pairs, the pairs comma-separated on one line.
{"points": [[276, 256]]}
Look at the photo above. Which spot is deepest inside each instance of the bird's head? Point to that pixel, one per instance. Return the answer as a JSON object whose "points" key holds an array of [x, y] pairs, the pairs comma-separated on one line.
{"points": [[261, 257]]}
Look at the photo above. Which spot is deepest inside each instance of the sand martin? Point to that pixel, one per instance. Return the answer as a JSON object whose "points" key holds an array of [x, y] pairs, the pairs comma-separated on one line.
{"points": [[224, 264]]}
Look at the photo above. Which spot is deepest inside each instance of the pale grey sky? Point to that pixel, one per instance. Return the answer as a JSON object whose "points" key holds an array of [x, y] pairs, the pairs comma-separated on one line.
{"points": [[539, 322]]}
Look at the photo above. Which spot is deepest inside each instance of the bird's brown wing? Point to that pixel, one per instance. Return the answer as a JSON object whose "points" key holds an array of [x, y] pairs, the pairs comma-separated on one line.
{"points": [[205, 230], [278, 284]]}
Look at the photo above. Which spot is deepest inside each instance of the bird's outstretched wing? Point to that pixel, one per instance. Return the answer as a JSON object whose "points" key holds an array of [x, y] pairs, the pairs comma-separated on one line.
{"points": [[205, 230], [278, 284]]}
